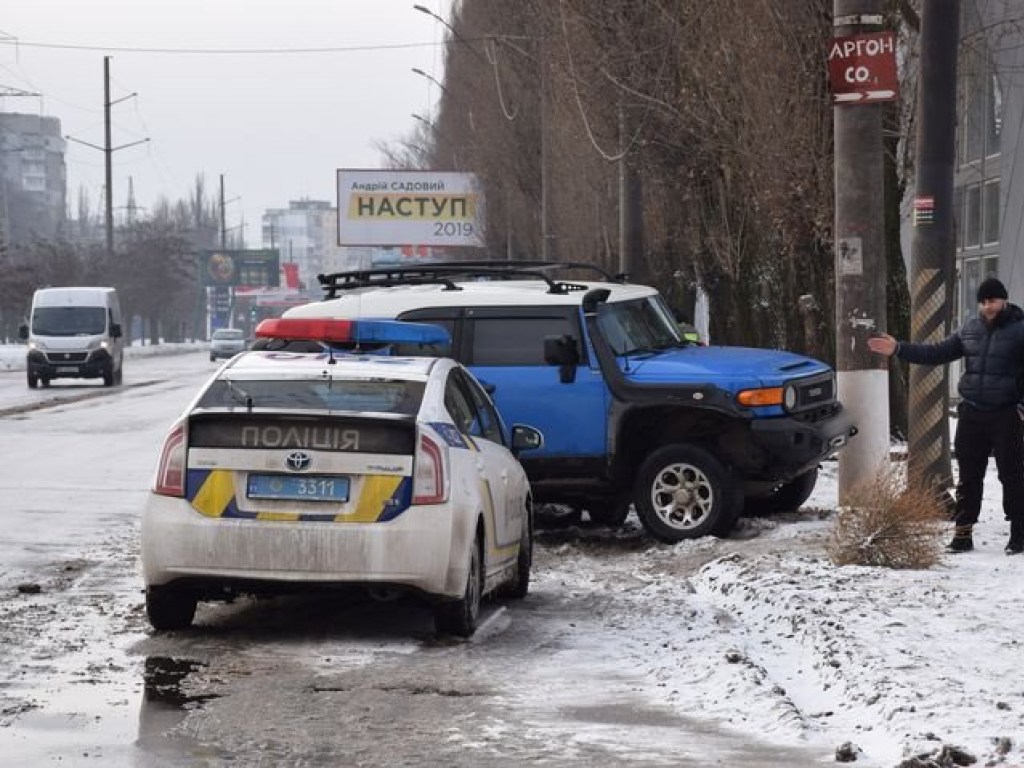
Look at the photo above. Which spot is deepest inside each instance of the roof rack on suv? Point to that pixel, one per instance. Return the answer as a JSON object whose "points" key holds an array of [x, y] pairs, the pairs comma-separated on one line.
{"points": [[447, 272]]}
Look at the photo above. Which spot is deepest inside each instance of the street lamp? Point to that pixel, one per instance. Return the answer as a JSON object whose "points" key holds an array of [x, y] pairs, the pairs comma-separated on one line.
{"points": [[450, 28]]}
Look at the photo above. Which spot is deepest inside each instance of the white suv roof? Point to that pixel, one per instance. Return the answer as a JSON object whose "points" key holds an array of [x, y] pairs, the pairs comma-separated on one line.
{"points": [[390, 301]]}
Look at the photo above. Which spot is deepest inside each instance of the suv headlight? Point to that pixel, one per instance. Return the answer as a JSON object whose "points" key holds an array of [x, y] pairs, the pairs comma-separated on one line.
{"points": [[789, 397]]}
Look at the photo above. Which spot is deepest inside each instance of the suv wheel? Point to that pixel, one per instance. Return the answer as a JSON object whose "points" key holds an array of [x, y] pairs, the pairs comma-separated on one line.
{"points": [[683, 492], [169, 608], [785, 498], [459, 617]]}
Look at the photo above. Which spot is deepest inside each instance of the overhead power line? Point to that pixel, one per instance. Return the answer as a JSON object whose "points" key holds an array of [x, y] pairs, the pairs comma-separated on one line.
{"points": [[228, 51]]}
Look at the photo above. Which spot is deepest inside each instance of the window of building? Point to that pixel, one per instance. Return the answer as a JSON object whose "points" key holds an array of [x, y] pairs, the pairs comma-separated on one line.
{"points": [[991, 208], [972, 216]]}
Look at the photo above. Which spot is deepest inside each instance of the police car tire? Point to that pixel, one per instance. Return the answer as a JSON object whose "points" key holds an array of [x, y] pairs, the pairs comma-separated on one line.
{"points": [[459, 617], [698, 472], [520, 586], [168, 608]]}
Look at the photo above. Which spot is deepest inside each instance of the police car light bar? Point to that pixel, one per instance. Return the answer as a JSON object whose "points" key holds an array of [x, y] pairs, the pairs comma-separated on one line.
{"points": [[333, 331]]}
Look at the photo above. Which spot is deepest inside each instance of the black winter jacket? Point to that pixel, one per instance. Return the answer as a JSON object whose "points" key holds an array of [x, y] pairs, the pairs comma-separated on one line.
{"points": [[993, 358]]}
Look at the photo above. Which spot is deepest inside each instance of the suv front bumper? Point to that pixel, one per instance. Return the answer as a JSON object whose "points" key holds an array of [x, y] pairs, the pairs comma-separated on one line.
{"points": [[791, 447], [96, 364]]}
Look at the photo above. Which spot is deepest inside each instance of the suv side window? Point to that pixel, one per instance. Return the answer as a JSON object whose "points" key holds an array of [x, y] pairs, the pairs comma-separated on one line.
{"points": [[515, 337]]}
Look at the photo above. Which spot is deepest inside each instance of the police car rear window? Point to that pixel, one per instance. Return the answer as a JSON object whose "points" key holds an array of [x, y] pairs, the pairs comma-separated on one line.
{"points": [[369, 396]]}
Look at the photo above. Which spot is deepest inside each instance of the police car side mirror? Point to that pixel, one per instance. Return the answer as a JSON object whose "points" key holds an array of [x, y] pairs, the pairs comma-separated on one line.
{"points": [[526, 438], [563, 352], [23, 332]]}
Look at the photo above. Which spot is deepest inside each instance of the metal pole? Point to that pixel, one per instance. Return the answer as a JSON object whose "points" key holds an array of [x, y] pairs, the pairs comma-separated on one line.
{"points": [[108, 152], [932, 245], [862, 377], [630, 207]]}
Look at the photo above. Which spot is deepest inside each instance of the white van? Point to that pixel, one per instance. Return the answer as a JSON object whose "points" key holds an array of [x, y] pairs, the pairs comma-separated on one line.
{"points": [[74, 333]]}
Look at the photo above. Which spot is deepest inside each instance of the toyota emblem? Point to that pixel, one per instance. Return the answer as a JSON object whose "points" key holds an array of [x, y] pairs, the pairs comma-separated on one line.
{"points": [[297, 461]]}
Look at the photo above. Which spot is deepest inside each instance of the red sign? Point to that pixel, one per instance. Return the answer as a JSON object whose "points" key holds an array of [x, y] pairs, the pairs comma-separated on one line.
{"points": [[862, 68]]}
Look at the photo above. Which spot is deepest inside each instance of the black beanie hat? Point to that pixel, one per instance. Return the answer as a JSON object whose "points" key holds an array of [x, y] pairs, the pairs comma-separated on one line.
{"points": [[991, 288]]}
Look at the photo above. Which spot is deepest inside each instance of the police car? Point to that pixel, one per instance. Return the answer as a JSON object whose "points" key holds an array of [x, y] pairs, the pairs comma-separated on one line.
{"points": [[299, 469]]}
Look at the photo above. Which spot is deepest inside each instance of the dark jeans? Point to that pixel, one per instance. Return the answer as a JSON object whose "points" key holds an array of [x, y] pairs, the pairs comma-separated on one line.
{"points": [[979, 434]]}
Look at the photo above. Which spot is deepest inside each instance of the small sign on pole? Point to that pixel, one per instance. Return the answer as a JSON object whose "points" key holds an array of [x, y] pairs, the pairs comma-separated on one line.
{"points": [[862, 68]]}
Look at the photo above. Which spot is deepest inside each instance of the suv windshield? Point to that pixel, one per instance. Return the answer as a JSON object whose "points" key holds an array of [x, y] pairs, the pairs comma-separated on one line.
{"points": [[377, 396], [69, 321], [639, 325]]}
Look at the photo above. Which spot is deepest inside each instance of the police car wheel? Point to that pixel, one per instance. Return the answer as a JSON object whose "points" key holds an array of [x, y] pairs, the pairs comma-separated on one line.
{"points": [[459, 617], [520, 586], [168, 608], [683, 492]]}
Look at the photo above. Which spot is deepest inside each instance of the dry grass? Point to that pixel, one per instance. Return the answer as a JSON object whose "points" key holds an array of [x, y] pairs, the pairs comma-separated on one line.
{"points": [[890, 522]]}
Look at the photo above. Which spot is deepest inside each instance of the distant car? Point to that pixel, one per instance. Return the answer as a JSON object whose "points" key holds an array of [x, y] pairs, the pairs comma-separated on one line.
{"points": [[226, 342], [295, 470]]}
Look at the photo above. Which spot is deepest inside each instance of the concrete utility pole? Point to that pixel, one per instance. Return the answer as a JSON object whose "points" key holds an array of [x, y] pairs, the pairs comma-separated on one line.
{"points": [[630, 205], [932, 247], [108, 151], [223, 220], [860, 265]]}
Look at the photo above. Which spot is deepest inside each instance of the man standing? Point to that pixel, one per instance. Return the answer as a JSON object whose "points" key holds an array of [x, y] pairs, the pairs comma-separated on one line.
{"points": [[992, 347]]}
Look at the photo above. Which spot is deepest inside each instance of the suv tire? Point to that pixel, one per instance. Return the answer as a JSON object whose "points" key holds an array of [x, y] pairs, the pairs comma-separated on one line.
{"points": [[459, 617], [683, 492], [787, 497]]}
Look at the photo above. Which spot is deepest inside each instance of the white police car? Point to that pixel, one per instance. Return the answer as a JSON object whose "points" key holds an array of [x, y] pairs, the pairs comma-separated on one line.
{"points": [[293, 470]]}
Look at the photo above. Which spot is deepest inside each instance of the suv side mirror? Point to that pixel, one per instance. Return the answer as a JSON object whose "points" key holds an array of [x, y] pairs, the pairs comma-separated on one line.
{"points": [[115, 330], [563, 352], [23, 332], [526, 438]]}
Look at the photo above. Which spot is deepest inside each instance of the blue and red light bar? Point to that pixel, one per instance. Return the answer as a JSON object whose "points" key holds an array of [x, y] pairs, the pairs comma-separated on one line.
{"points": [[351, 332]]}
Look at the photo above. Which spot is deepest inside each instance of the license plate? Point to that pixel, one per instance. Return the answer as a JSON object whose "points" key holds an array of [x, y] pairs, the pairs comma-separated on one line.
{"points": [[67, 369], [298, 488]]}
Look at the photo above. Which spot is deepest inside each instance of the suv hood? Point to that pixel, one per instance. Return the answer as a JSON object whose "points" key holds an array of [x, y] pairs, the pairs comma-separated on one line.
{"points": [[726, 367]]}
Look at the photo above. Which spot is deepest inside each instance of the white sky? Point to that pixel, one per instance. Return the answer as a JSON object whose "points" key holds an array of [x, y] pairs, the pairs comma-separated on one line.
{"points": [[276, 125]]}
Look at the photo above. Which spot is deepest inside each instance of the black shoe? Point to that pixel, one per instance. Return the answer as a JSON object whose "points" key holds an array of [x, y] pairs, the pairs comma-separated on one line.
{"points": [[962, 541]]}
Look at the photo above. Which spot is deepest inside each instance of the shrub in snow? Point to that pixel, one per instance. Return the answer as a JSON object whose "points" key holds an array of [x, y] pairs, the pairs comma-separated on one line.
{"points": [[890, 522]]}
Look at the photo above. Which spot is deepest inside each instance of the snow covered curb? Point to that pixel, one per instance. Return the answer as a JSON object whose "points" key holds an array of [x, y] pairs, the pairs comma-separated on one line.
{"points": [[924, 660]]}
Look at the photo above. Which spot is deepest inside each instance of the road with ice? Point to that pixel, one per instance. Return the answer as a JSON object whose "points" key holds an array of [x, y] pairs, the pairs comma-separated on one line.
{"points": [[626, 652]]}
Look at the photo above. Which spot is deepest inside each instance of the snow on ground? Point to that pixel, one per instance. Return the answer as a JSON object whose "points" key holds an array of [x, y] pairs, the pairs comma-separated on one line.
{"points": [[899, 663], [12, 356]]}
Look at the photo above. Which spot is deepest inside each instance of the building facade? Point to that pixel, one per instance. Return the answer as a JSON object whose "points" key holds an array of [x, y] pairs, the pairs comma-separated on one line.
{"points": [[989, 198], [306, 234], [33, 178]]}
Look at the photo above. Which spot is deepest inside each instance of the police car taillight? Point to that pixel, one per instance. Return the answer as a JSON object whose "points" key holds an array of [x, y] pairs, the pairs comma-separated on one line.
{"points": [[170, 472], [430, 472]]}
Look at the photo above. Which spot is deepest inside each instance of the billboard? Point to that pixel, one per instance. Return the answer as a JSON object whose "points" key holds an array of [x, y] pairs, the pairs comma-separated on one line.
{"points": [[395, 208], [240, 267]]}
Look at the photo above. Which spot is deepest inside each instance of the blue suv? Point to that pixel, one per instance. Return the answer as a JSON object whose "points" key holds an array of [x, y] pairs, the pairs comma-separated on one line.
{"points": [[632, 413]]}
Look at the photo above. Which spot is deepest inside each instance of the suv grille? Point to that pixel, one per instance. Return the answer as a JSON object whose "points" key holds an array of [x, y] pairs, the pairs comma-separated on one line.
{"points": [[67, 357], [815, 397]]}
